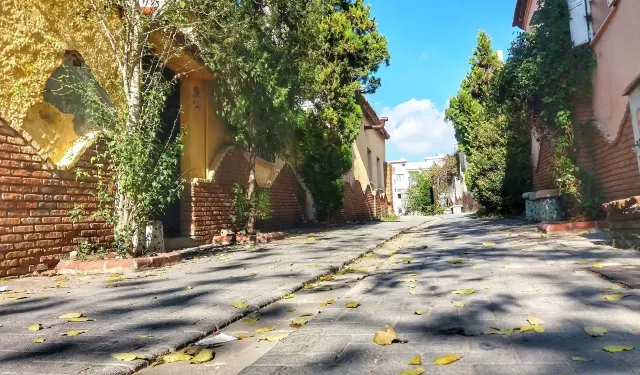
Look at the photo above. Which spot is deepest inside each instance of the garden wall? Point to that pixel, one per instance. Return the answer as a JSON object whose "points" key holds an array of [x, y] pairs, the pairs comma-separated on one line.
{"points": [[35, 227]]}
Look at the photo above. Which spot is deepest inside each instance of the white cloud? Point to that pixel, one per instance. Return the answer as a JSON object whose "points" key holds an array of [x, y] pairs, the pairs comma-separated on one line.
{"points": [[417, 127]]}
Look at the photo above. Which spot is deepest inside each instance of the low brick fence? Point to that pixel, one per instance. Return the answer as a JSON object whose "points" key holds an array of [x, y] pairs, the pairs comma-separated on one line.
{"points": [[624, 221]]}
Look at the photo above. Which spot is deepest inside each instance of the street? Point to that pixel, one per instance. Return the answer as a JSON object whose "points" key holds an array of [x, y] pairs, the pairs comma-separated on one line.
{"points": [[514, 277]]}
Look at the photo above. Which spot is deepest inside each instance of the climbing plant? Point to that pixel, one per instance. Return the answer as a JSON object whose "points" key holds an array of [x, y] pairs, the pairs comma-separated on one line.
{"points": [[537, 89]]}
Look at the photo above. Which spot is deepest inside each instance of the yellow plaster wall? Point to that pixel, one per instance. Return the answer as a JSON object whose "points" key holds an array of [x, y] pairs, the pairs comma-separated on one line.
{"points": [[217, 135], [374, 141], [35, 35], [193, 99]]}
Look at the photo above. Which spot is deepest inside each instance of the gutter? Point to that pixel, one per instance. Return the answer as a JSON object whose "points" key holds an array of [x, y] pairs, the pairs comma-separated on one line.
{"points": [[606, 22]]}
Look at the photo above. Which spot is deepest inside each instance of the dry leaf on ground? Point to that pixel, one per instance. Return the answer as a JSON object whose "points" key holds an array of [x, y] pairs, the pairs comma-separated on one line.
{"points": [[457, 304], [413, 371], [289, 296], [205, 355], [419, 312], [352, 304], [386, 337], [74, 333], [534, 320], [595, 331], [127, 356], [597, 265], [617, 348], [240, 305], [35, 327], [249, 320], [243, 336], [73, 315], [614, 297], [40, 340], [446, 359], [264, 329], [274, 338], [297, 323], [417, 361], [176, 357], [464, 291], [304, 315], [539, 329]]}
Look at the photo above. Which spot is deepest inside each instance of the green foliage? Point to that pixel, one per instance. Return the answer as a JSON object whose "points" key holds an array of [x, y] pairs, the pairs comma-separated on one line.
{"points": [[419, 197], [351, 51], [442, 176], [537, 87], [389, 216], [243, 207], [499, 167]]}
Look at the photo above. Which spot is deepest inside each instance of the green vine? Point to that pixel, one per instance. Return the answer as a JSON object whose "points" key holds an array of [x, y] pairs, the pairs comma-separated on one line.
{"points": [[538, 86]]}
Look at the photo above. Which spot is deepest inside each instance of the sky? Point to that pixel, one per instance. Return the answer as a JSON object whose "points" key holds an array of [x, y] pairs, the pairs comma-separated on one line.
{"points": [[430, 42]]}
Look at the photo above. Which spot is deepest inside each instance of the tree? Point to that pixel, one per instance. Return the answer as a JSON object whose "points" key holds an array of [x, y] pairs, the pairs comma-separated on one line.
{"points": [[140, 160], [263, 55], [351, 52], [467, 109], [419, 194], [442, 176], [499, 170]]}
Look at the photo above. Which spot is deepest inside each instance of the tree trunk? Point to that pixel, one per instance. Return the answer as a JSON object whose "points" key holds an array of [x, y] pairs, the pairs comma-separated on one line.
{"points": [[251, 190]]}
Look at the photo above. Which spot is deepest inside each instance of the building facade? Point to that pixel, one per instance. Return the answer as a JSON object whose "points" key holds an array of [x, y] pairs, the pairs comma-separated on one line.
{"points": [[44, 139], [401, 178], [610, 28]]}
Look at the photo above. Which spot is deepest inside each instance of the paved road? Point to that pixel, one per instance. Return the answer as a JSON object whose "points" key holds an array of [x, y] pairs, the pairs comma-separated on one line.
{"points": [[153, 312], [515, 272]]}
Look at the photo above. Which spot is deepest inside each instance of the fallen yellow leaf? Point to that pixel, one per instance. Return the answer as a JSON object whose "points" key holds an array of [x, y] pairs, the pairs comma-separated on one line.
{"points": [[488, 244], [386, 337], [74, 333], [614, 297], [539, 329], [419, 312], [264, 329], [457, 303], [352, 304], [446, 359], [617, 348], [249, 320], [205, 355], [527, 328], [126, 356], [416, 361], [464, 291], [240, 305], [413, 371], [535, 320], [580, 359], [35, 327], [595, 331], [73, 315], [297, 323], [176, 357], [456, 261], [304, 315], [243, 336], [289, 296], [189, 287], [40, 340], [597, 265], [274, 338]]}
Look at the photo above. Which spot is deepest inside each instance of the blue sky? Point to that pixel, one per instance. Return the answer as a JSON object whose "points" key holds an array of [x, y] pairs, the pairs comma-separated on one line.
{"points": [[430, 42]]}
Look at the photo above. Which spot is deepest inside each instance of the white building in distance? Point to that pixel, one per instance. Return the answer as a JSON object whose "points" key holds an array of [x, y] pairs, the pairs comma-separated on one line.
{"points": [[400, 171]]}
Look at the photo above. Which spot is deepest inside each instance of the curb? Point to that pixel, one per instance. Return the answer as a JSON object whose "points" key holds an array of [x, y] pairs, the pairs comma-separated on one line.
{"points": [[71, 267], [194, 336], [572, 226]]}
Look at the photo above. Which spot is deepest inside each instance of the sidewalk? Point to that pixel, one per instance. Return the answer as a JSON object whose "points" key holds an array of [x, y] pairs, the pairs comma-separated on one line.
{"points": [[156, 311], [470, 288]]}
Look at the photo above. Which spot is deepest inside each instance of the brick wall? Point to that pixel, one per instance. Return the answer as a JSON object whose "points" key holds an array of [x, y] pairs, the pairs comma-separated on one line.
{"points": [[207, 205], [35, 228], [543, 175], [613, 164], [361, 206]]}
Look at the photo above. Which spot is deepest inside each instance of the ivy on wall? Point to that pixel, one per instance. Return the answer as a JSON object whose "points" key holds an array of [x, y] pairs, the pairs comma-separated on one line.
{"points": [[537, 88]]}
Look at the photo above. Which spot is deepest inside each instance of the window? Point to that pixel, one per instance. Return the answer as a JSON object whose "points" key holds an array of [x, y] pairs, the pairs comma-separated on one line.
{"points": [[369, 165], [400, 177], [399, 196], [379, 172], [403, 165]]}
